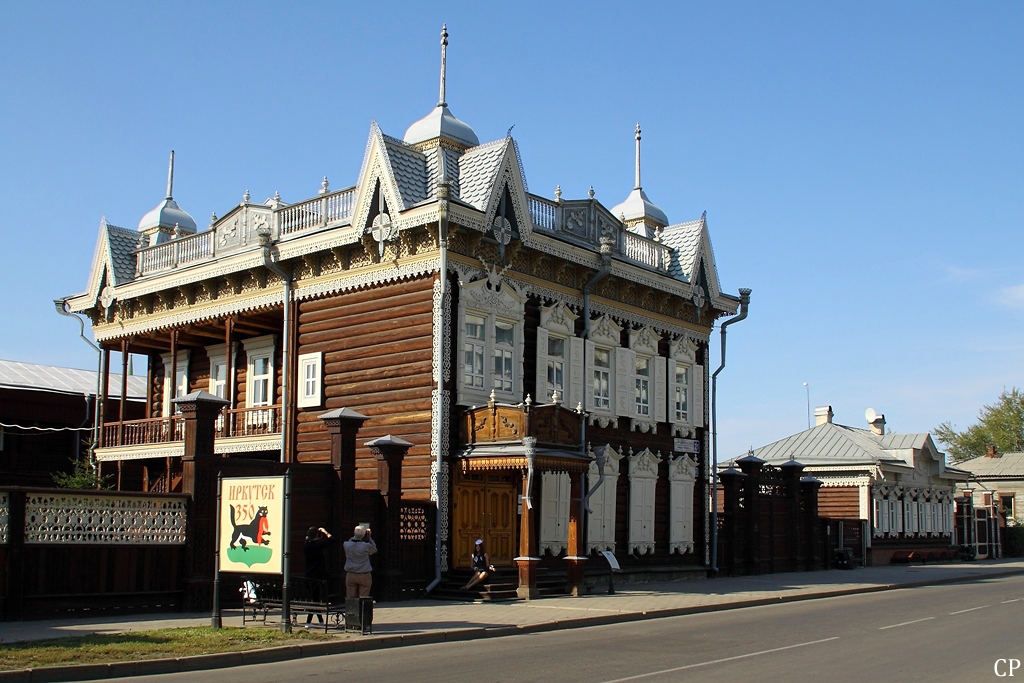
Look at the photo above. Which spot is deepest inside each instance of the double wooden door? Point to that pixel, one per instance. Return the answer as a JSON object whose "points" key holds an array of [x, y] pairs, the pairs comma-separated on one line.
{"points": [[486, 506]]}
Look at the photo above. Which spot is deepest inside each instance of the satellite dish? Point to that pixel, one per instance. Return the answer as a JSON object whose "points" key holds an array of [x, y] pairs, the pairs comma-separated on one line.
{"points": [[870, 415]]}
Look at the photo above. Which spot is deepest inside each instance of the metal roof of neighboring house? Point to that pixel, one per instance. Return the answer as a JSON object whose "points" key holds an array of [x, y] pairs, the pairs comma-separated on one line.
{"points": [[836, 444], [1002, 465], [29, 376]]}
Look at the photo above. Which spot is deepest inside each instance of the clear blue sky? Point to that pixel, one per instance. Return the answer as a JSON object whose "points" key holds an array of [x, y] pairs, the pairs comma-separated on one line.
{"points": [[860, 163]]}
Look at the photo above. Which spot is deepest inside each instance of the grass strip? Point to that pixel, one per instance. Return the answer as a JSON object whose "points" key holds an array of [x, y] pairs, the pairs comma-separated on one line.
{"points": [[135, 645]]}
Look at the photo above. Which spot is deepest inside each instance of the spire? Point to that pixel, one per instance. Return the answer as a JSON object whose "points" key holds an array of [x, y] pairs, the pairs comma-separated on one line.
{"points": [[444, 50], [170, 176], [637, 186]]}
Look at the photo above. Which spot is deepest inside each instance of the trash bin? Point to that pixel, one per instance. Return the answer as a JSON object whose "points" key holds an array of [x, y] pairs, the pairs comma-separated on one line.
{"points": [[844, 558], [359, 615]]}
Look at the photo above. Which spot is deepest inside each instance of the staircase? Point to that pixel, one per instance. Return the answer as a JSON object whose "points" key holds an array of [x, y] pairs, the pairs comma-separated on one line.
{"points": [[501, 585]]}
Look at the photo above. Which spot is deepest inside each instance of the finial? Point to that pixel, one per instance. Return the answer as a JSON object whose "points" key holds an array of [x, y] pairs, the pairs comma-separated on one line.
{"points": [[213, 218], [323, 186], [558, 193], [170, 176], [277, 199], [444, 49], [637, 187], [556, 397], [245, 197], [591, 192]]}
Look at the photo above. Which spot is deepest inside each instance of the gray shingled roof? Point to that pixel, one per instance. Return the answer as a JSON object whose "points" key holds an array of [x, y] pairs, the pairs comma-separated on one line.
{"points": [[29, 376], [451, 165], [1004, 465], [121, 245], [684, 241], [477, 169], [410, 169]]}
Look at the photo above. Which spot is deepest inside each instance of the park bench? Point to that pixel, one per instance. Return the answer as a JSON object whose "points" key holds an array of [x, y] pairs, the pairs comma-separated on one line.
{"points": [[262, 595]]}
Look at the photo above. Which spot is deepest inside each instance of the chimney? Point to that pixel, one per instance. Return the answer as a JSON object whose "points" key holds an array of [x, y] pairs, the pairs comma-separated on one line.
{"points": [[992, 452], [822, 415], [876, 421]]}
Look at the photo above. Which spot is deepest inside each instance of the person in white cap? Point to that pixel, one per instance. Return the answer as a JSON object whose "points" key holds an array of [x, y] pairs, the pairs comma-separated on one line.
{"points": [[358, 549], [481, 565]]}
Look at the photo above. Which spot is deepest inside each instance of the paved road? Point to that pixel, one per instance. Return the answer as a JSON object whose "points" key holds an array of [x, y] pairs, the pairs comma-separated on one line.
{"points": [[950, 632]]}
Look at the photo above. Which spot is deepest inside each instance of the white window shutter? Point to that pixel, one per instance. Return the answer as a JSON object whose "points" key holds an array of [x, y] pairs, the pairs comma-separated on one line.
{"points": [[625, 372], [697, 398], [541, 390], [588, 373], [660, 389], [554, 512], [576, 377]]}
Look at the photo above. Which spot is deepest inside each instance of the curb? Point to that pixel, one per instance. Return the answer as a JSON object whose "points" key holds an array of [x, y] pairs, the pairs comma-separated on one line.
{"points": [[148, 667]]}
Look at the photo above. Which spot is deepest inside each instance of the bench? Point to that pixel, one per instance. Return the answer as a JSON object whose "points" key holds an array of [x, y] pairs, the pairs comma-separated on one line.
{"points": [[262, 595]]}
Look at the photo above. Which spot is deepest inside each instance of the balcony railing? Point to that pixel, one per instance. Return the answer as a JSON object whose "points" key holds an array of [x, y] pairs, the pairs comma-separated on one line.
{"points": [[255, 421]]}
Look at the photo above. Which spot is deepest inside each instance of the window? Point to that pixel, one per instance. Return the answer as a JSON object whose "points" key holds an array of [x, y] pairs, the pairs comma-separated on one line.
{"points": [[310, 371], [181, 380], [643, 386], [259, 380], [559, 357], [490, 335], [219, 385], [681, 398], [1006, 502], [601, 389]]}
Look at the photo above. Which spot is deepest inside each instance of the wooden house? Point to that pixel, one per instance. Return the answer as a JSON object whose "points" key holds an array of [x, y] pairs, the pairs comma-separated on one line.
{"points": [[545, 357], [898, 484]]}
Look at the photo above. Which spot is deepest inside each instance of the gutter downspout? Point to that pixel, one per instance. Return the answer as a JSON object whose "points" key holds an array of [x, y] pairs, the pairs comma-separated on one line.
{"points": [[602, 273], [62, 307], [744, 303], [442, 246], [270, 264]]}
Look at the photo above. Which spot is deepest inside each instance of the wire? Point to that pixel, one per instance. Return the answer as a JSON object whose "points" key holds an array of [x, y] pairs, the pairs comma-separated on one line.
{"points": [[47, 429]]}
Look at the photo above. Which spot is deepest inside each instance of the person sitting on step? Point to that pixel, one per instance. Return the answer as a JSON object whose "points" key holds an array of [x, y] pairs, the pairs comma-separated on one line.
{"points": [[481, 565]]}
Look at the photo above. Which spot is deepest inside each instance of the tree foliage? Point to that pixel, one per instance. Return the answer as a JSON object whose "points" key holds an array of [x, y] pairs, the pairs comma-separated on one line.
{"points": [[82, 476], [1000, 424]]}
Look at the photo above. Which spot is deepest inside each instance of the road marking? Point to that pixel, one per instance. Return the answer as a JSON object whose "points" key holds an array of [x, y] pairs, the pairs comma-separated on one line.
{"points": [[905, 623], [720, 661], [971, 609], [1007, 602]]}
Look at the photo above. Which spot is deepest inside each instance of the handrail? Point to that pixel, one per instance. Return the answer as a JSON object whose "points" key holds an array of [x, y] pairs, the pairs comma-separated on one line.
{"points": [[162, 430]]}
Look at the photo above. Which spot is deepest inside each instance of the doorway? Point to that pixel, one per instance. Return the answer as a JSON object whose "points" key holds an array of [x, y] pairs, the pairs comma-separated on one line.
{"points": [[485, 507]]}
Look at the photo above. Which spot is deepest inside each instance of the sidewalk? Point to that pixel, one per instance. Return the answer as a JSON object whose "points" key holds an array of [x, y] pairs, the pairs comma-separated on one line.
{"points": [[430, 621]]}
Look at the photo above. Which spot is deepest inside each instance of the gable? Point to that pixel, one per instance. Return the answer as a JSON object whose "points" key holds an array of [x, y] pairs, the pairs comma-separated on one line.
{"points": [[385, 162]]}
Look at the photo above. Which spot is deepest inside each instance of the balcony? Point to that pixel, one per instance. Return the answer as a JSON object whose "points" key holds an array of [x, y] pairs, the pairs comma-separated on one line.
{"points": [[240, 430]]}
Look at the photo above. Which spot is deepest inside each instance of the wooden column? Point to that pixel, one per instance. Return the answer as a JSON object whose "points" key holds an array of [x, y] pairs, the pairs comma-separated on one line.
{"points": [[809, 487], [575, 558], [729, 558], [199, 411], [527, 561], [791, 472], [343, 424], [751, 466], [102, 398], [390, 452]]}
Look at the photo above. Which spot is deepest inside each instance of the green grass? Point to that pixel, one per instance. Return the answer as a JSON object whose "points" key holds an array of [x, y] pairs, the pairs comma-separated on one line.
{"points": [[135, 645]]}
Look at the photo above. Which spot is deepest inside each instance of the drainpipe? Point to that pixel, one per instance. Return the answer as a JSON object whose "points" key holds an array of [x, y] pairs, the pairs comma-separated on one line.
{"points": [[744, 302], [62, 307], [270, 264], [602, 273], [442, 320]]}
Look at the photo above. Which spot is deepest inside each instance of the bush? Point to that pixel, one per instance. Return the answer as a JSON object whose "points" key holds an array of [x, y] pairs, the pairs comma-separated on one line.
{"points": [[1013, 541]]}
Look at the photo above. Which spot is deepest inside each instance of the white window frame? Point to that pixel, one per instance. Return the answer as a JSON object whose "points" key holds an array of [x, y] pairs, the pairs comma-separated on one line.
{"points": [[605, 335], [601, 522], [683, 353], [559, 322], [181, 385], [216, 355], [682, 472], [495, 301], [310, 380], [258, 348], [643, 346], [643, 480]]}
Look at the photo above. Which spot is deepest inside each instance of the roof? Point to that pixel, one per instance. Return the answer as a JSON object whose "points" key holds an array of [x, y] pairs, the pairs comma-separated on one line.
{"points": [[834, 444], [28, 376], [1003, 465]]}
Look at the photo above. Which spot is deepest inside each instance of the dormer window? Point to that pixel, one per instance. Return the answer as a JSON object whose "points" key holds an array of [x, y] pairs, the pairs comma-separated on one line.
{"points": [[491, 341]]}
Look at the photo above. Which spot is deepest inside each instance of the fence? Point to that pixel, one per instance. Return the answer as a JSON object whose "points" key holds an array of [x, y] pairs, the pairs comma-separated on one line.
{"points": [[64, 552]]}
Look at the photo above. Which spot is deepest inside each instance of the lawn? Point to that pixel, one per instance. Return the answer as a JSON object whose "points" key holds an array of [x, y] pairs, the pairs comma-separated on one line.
{"points": [[135, 645]]}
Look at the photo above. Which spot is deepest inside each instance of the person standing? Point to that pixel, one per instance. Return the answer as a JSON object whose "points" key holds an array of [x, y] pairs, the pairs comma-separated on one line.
{"points": [[358, 577], [316, 543]]}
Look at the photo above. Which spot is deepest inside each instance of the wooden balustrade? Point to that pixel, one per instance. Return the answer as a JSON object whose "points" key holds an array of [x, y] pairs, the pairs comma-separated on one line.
{"points": [[161, 430]]}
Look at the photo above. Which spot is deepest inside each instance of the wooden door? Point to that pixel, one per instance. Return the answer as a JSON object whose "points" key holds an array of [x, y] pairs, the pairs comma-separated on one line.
{"points": [[485, 507]]}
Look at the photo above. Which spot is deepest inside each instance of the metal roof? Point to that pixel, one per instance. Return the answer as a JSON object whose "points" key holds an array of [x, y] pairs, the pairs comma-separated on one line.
{"points": [[835, 444], [28, 376], [1003, 465]]}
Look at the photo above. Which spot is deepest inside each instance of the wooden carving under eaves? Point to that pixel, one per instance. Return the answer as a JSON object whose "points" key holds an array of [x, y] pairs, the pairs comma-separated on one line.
{"points": [[550, 424]]}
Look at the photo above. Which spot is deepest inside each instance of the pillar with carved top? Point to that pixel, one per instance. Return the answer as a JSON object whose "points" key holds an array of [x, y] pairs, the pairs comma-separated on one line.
{"points": [[575, 559], [343, 424], [527, 561], [199, 411], [390, 452]]}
